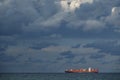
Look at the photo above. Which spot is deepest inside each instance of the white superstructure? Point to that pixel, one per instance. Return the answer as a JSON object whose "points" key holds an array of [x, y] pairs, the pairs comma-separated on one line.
{"points": [[89, 69]]}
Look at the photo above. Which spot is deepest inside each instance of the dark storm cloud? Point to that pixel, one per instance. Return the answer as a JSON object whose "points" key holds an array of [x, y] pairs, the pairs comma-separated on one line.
{"points": [[17, 15], [97, 56], [41, 36], [110, 47], [76, 46], [31, 60], [5, 42], [83, 60], [97, 9], [6, 58], [40, 18], [93, 19], [93, 11], [3, 47], [42, 45], [68, 55]]}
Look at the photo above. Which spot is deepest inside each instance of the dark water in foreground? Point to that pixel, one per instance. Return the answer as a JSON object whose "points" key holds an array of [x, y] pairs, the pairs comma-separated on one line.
{"points": [[61, 76]]}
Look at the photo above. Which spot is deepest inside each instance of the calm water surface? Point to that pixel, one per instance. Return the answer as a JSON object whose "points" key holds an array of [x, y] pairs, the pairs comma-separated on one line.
{"points": [[61, 76]]}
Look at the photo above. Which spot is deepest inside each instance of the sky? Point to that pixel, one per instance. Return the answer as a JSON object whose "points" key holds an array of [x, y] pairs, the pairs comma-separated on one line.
{"points": [[54, 35]]}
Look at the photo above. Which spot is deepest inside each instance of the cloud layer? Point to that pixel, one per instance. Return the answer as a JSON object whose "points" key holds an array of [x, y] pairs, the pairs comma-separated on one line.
{"points": [[39, 37], [38, 16]]}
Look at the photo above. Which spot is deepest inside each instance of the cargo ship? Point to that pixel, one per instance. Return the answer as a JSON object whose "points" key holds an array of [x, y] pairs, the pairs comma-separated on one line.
{"points": [[81, 70]]}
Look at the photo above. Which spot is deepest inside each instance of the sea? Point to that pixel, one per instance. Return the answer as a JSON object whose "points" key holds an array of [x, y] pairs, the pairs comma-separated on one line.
{"points": [[60, 76]]}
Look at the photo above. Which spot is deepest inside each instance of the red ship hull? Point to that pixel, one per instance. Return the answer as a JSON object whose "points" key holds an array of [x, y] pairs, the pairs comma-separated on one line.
{"points": [[79, 72], [82, 71]]}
